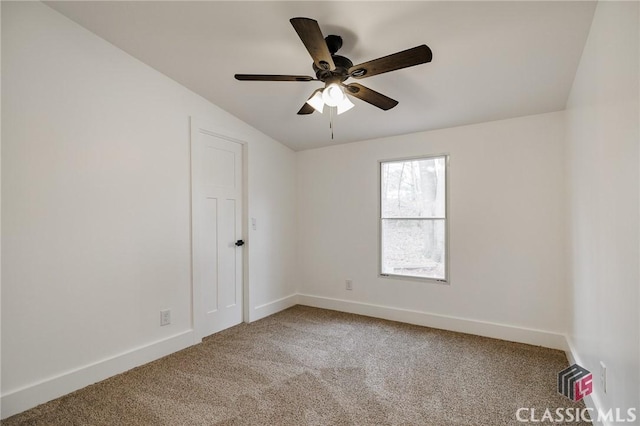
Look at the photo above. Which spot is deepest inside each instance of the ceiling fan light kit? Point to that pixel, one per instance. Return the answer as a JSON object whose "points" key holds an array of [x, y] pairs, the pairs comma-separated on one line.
{"points": [[332, 96], [316, 101], [344, 106], [334, 70]]}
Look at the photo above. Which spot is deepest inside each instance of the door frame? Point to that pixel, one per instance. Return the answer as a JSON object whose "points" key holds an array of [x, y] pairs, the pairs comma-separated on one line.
{"points": [[197, 126]]}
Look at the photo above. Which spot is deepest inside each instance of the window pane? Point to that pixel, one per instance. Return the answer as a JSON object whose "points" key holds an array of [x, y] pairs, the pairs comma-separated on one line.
{"points": [[413, 247], [413, 188]]}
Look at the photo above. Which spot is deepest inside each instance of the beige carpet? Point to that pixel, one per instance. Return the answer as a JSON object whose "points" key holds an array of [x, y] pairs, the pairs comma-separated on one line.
{"points": [[308, 366]]}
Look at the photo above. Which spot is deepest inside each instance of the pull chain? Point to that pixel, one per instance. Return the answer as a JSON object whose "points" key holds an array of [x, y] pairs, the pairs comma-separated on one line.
{"points": [[331, 120]]}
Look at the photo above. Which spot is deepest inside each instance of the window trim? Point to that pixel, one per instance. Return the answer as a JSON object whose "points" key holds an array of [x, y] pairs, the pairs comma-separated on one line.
{"points": [[446, 218]]}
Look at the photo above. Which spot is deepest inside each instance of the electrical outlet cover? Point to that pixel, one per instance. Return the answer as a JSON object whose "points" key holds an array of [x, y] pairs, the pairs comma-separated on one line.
{"points": [[165, 317]]}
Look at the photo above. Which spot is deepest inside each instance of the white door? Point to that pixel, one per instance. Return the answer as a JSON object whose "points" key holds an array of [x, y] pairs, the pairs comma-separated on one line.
{"points": [[216, 179]]}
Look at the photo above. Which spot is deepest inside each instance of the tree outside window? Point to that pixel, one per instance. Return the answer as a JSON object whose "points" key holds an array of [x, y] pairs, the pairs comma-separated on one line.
{"points": [[413, 218]]}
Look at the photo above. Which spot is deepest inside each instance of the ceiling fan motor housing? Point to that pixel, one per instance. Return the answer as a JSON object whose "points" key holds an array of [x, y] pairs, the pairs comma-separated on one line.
{"points": [[340, 73]]}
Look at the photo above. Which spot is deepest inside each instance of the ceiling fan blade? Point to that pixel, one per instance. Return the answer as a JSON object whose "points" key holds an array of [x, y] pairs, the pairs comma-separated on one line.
{"points": [[370, 96], [306, 108], [406, 58], [272, 77], [309, 32]]}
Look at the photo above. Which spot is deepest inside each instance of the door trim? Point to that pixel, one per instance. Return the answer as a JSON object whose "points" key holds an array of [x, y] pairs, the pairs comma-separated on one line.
{"points": [[197, 126]]}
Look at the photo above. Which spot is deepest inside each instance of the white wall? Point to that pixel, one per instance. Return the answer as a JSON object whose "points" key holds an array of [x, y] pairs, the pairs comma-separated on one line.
{"points": [[602, 166], [0, 219], [96, 208], [272, 246], [506, 230]]}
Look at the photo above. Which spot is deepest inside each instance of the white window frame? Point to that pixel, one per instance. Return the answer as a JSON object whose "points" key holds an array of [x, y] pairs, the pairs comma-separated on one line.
{"points": [[446, 279]]}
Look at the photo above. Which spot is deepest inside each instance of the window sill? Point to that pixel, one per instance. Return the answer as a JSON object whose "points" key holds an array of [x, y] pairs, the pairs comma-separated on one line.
{"points": [[414, 278]]}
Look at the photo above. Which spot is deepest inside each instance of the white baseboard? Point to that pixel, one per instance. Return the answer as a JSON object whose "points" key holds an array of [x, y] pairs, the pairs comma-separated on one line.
{"points": [[271, 308], [16, 401], [462, 325]]}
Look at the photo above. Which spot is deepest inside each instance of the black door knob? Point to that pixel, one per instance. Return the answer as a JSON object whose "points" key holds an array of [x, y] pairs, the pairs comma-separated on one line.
{"points": [[239, 243]]}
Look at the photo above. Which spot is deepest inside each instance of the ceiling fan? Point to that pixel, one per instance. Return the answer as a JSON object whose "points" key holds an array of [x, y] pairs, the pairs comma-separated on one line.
{"points": [[334, 69]]}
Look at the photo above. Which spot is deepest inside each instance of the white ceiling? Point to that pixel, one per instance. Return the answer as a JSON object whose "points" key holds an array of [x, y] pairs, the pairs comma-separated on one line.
{"points": [[491, 60]]}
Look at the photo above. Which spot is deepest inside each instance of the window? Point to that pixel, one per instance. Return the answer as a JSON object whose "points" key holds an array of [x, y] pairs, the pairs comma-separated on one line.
{"points": [[413, 218]]}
